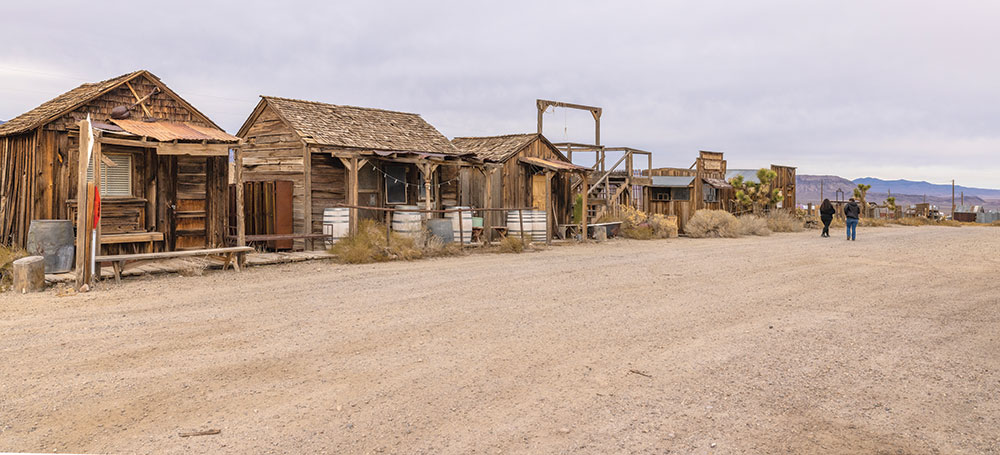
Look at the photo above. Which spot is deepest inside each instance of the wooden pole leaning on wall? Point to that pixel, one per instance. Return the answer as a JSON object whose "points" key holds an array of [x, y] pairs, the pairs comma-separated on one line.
{"points": [[461, 229], [241, 229], [583, 219], [81, 203], [548, 207]]}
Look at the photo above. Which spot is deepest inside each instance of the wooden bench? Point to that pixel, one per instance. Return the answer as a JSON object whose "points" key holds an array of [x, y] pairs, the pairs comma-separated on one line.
{"points": [[233, 256], [147, 238]]}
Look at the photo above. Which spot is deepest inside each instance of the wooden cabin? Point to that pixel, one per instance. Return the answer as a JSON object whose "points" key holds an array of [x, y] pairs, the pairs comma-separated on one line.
{"points": [[521, 170], [682, 191], [163, 173], [315, 156]]}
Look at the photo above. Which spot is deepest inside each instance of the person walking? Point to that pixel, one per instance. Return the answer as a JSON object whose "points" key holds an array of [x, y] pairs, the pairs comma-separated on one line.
{"points": [[852, 212], [826, 212]]}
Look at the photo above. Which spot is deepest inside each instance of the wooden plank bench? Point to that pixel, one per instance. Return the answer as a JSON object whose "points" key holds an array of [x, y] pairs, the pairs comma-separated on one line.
{"points": [[233, 256], [147, 238]]}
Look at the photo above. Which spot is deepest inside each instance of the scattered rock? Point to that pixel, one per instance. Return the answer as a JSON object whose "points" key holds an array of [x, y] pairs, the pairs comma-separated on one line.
{"points": [[564, 430]]}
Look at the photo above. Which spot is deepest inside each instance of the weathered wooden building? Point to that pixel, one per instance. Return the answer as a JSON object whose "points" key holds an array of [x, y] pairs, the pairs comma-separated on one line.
{"points": [[326, 155], [163, 172], [682, 191], [521, 170], [784, 180]]}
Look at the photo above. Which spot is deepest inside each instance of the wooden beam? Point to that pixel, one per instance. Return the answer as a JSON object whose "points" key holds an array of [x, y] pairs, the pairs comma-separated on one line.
{"points": [[139, 100], [193, 149], [81, 207], [548, 207], [583, 219], [241, 231], [307, 205]]}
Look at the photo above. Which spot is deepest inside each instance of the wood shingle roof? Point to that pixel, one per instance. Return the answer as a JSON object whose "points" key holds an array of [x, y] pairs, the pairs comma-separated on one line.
{"points": [[494, 148], [359, 127]]}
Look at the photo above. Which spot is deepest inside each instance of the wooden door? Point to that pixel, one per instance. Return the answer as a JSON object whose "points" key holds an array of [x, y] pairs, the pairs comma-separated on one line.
{"points": [[282, 223], [190, 213], [538, 191]]}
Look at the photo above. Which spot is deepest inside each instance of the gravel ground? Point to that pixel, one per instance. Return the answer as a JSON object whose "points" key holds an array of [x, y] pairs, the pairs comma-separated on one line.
{"points": [[782, 344]]}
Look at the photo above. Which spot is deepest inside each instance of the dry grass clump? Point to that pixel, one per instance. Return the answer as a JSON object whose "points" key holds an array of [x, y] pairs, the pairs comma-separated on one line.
{"points": [[753, 225], [874, 222], [712, 224], [641, 226], [7, 257], [511, 244], [369, 245], [784, 221], [949, 223], [995, 223], [914, 221]]}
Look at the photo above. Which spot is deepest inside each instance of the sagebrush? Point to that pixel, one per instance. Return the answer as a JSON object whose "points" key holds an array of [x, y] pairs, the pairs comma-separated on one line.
{"points": [[369, 244], [753, 225], [7, 257], [712, 224], [639, 225], [784, 221], [511, 244]]}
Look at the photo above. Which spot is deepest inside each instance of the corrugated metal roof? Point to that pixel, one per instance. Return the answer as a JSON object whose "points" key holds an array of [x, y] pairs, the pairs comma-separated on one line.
{"points": [[552, 164], [717, 183], [174, 131], [672, 181]]}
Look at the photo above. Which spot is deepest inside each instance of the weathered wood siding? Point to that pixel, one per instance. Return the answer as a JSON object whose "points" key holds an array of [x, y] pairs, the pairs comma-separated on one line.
{"points": [[683, 210], [513, 188], [785, 181]]}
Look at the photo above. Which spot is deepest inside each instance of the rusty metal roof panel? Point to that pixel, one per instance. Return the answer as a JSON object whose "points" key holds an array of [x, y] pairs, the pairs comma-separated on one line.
{"points": [[553, 164], [174, 131]]}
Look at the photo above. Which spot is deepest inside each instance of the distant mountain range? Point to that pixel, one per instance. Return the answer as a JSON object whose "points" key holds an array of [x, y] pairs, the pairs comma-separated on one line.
{"points": [[906, 192]]}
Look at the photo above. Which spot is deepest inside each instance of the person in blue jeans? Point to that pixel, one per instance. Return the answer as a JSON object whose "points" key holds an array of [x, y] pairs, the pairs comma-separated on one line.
{"points": [[852, 212]]}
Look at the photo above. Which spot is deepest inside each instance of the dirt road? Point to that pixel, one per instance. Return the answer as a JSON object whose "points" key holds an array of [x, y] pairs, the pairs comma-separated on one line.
{"points": [[789, 343]]}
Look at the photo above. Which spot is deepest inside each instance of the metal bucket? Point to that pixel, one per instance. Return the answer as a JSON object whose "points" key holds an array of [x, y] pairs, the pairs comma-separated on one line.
{"points": [[442, 229], [53, 240]]}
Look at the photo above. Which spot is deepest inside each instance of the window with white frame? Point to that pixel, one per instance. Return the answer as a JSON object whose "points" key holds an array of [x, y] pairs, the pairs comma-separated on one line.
{"points": [[116, 180]]}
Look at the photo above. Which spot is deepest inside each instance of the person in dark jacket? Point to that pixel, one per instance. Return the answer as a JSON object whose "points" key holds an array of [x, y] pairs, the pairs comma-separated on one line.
{"points": [[852, 212], [826, 212]]}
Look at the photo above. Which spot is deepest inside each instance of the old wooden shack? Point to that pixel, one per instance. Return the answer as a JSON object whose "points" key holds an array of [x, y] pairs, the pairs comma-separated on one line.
{"points": [[522, 170], [682, 191], [324, 155], [163, 173]]}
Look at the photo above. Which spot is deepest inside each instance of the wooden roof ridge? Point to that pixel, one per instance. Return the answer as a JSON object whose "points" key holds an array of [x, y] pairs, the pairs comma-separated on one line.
{"points": [[354, 127], [345, 106], [496, 136], [501, 148], [73, 99]]}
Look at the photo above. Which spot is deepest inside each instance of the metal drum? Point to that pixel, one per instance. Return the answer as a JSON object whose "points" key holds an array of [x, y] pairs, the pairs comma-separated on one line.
{"points": [[442, 229], [53, 240], [405, 222], [337, 223], [466, 224]]}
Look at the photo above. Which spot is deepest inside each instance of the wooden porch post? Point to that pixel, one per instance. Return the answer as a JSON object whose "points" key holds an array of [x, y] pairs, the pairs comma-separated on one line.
{"points": [[241, 229], [307, 213], [583, 219], [487, 224], [81, 204], [353, 195], [548, 207]]}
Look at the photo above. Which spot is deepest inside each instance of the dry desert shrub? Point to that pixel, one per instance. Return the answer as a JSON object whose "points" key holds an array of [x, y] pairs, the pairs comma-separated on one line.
{"points": [[511, 244], [7, 257], [641, 226], [874, 222], [753, 225], [913, 221], [664, 227], [995, 223], [369, 245], [784, 221], [712, 224]]}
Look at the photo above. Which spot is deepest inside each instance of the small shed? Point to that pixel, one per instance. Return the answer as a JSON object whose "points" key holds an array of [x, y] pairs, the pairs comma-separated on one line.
{"points": [[520, 170], [163, 173], [682, 191], [315, 156], [967, 213]]}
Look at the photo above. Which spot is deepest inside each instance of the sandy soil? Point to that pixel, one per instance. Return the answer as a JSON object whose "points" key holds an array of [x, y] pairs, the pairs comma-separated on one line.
{"points": [[790, 343]]}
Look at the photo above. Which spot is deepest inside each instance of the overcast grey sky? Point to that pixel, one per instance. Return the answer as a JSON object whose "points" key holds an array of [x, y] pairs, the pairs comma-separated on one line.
{"points": [[893, 89]]}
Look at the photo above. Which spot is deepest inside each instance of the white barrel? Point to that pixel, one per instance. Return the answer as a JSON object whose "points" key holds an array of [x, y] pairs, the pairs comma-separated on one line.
{"points": [[466, 228], [538, 224], [337, 223], [513, 224], [406, 222]]}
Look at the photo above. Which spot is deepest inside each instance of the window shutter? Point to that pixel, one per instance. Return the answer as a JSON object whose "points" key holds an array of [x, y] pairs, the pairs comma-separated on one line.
{"points": [[115, 180]]}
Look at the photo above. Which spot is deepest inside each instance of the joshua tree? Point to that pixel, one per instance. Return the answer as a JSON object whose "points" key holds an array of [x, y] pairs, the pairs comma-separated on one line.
{"points": [[757, 195], [861, 194]]}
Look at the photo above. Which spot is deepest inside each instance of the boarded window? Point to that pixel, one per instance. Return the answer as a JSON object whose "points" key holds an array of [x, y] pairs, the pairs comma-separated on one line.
{"points": [[115, 180], [395, 184]]}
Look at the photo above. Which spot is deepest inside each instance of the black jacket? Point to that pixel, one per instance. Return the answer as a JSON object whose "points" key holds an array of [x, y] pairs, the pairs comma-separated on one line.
{"points": [[852, 210], [828, 212]]}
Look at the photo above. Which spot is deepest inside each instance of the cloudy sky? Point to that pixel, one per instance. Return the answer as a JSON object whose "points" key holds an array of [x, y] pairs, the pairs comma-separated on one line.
{"points": [[893, 89]]}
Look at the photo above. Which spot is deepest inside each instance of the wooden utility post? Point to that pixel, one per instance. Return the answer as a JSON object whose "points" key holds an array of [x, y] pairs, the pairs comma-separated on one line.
{"points": [[82, 262], [583, 219], [548, 207], [953, 198], [241, 229]]}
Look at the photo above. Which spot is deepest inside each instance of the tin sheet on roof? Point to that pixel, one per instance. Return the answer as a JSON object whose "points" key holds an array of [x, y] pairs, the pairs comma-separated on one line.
{"points": [[718, 184], [553, 164], [672, 181], [174, 131]]}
